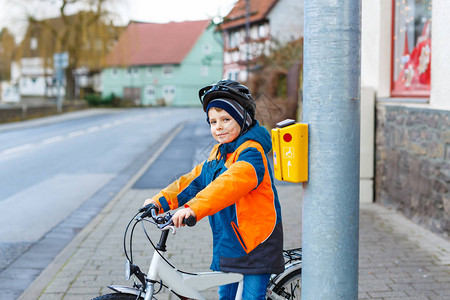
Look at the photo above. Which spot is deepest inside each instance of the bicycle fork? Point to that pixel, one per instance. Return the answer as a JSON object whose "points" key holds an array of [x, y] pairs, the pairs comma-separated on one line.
{"points": [[149, 290]]}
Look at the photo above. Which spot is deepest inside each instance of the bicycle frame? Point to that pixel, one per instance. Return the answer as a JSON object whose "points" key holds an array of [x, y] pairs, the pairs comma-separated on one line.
{"points": [[187, 285]]}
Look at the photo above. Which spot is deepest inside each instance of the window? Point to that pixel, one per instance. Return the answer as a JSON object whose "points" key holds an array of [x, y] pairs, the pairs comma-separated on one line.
{"points": [[204, 71], [262, 32], [168, 90], [206, 49], [114, 72], [33, 43], [235, 39], [168, 71], [233, 75], [149, 71], [149, 92], [168, 94], [135, 71], [254, 32], [411, 55], [132, 71]]}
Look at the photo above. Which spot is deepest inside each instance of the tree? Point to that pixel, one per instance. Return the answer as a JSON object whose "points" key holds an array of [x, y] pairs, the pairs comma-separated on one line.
{"points": [[86, 36], [7, 46], [276, 80]]}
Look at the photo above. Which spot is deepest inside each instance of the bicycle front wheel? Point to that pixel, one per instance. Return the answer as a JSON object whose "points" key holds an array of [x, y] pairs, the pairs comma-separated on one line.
{"points": [[117, 296], [289, 287]]}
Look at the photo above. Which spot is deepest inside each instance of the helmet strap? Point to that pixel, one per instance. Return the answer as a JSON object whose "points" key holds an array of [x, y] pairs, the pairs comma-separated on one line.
{"points": [[243, 122]]}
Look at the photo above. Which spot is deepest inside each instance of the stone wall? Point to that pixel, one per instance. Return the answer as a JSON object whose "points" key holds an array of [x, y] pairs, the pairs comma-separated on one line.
{"points": [[413, 164], [21, 113]]}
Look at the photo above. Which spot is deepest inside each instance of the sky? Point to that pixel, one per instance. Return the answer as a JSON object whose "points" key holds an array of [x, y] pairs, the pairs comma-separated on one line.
{"points": [[12, 13]]}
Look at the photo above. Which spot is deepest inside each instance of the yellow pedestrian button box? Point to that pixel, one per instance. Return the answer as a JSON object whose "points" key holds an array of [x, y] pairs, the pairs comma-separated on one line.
{"points": [[290, 151]]}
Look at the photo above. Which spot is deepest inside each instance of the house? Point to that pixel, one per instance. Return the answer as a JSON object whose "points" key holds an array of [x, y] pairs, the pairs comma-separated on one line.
{"points": [[163, 63], [269, 21], [405, 77], [86, 44]]}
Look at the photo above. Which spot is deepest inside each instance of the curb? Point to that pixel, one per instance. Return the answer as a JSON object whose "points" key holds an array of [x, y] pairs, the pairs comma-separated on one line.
{"points": [[46, 277]]}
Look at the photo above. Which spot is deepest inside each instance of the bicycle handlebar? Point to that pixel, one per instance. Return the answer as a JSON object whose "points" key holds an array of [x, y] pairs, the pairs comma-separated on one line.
{"points": [[190, 221], [151, 210]]}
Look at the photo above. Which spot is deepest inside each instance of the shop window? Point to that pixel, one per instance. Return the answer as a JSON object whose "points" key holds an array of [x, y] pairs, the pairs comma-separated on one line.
{"points": [[411, 55]]}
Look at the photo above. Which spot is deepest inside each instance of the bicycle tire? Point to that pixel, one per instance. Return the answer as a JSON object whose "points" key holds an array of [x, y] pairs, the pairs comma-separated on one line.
{"points": [[290, 287], [117, 296]]}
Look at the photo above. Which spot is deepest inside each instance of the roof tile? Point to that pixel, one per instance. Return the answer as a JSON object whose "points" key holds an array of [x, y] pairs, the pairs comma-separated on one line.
{"points": [[258, 11], [156, 43]]}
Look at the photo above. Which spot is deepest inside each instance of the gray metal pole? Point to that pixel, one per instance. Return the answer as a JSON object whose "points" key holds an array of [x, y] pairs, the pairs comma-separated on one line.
{"points": [[332, 109]]}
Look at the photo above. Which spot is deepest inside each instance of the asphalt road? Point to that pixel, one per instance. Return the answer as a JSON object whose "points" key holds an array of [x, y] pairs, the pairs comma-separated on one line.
{"points": [[56, 175]]}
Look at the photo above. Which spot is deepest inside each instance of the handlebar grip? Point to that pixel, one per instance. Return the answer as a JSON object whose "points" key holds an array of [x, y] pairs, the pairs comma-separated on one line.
{"points": [[190, 221], [149, 210]]}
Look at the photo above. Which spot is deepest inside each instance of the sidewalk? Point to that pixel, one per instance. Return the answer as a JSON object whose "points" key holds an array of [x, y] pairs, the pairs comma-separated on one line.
{"points": [[398, 259]]}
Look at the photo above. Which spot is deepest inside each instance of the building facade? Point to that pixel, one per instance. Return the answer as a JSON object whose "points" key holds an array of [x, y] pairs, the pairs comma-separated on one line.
{"points": [[269, 22], [405, 66], [163, 64], [34, 71]]}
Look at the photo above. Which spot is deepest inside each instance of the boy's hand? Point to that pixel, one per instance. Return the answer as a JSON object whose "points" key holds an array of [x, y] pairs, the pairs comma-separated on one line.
{"points": [[148, 201], [182, 214]]}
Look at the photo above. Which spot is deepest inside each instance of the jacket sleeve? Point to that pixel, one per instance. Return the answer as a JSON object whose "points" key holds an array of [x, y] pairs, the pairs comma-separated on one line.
{"points": [[181, 190], [240, 179]]}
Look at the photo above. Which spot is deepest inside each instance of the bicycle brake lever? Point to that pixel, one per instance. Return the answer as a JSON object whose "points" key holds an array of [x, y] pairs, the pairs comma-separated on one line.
{"points": [[167, 227]]}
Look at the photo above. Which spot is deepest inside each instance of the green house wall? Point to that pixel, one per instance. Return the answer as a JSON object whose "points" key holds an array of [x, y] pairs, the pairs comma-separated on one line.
{"points": [[202, 66]]}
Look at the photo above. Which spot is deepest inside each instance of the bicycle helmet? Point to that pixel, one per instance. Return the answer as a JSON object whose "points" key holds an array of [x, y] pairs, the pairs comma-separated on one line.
{"points": [[228, 89]]}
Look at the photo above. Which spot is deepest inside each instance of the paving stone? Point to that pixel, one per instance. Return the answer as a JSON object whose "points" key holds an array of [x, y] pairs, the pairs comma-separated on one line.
{"points": [[392, 265]]}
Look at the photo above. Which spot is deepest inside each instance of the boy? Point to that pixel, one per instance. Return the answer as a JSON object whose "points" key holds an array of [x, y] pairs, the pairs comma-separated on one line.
{"points": [[235, 188]]}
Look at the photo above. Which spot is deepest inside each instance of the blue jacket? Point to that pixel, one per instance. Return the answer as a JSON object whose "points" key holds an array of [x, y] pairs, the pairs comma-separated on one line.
{"points": [[235, 188]]}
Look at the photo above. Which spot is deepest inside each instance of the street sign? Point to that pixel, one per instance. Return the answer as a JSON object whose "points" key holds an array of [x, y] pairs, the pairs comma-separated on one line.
{"points": [[61, 60]]}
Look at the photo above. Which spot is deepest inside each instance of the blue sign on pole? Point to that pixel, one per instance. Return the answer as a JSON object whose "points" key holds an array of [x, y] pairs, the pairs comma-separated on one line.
{"points": [[61, 60]]}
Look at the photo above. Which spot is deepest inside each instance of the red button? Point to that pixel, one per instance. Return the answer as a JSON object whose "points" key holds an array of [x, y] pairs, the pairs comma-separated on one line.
{"points": [[287, 137]]}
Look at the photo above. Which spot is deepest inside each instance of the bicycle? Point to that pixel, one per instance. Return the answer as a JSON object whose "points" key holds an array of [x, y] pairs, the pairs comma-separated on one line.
{"points": [[187, 285]]}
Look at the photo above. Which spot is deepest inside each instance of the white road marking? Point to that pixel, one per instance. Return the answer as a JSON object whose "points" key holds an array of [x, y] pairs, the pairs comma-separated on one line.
{"points": [[59, 138], [17, 149], [52, 140]]}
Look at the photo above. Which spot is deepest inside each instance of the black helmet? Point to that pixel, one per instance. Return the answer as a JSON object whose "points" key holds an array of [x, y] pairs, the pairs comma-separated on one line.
{"points": [[229, 89]]}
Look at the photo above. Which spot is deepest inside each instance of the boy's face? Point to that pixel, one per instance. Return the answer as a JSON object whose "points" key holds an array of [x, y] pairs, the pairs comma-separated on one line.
{"points": [[224, 128]]}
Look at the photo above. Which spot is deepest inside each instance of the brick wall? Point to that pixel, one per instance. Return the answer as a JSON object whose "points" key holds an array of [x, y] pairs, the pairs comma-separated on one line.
{"points": [[413, 164]]}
